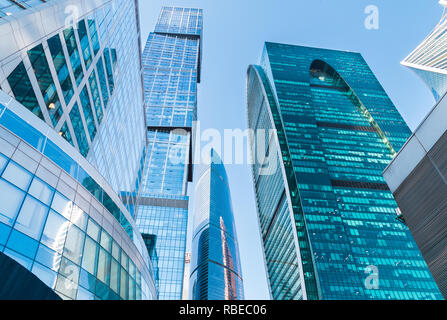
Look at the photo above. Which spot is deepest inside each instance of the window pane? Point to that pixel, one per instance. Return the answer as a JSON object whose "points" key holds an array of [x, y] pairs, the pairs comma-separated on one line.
{"points": [[57, 53], [83, 39], [106, 240], [41, 191], [73, 52], [78, 128], [116, 251], [22, 244], [114, 276], [65, 133], [78, 217], [93, 230], [3, 160], [48, 258], [124, 284], [23, 90], [62, 205], [104, 266], [55, 231], [17, 175], [69, 270], [66, 286], [73, 244], [31, 217], [90, 255], [45, 80], [88, 114], [44, 274], [10, 200]]}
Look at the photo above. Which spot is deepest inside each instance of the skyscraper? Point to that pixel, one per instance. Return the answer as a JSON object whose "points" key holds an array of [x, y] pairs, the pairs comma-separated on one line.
{"points": [[429, 61], [171, 70], [72, 140], [327, 218], [215, 264]]}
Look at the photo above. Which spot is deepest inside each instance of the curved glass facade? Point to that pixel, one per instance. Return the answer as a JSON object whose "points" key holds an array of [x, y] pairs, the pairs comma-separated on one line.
{"points": [[429, 61], [327, 218], [215, 262], [54, 226], [78, 79], [73, 144]]}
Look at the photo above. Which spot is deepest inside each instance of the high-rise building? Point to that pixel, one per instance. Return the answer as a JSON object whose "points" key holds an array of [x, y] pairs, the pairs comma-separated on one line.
{"points": [[327, 218], [417, 177], [72, 139], [171, 70], [429, 60], [215, 263]]}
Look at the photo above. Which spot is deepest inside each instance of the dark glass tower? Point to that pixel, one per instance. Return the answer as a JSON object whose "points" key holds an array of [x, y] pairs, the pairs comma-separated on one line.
{"points": [[327, 218], [171, 71], [215, 263]]}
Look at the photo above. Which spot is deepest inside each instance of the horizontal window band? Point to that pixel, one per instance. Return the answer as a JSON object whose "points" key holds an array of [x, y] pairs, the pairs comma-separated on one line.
{"points": [[342, 89], [345, 126], [360, 185]]}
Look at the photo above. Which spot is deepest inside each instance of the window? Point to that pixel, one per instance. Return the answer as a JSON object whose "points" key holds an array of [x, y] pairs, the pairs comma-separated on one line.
{"points": [[62, 205], [73, 247], [106, 240], [60, 65], [31, 218], [104, 266], [40, 190], [55, 231], [45, 80], [95, 96], [85, 45], [93, 230], [17, 175], [73, 52], [23, 90], [78, 217], [88, 114], [90, 255], [65, 133], [78, 128], [102, 82], [10, 200]]}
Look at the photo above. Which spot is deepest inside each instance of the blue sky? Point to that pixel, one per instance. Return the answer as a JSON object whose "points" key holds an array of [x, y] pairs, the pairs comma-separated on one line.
{"points": [[234, 34]]}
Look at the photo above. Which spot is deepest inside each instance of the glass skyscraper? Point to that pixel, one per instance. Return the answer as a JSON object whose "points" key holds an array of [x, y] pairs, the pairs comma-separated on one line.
{"points": [[429, 61], [215, 263], [327, 218], [171, 71], [72, 138]]}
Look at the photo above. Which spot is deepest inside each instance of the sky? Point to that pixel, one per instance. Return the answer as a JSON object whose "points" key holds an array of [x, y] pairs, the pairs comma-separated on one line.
{"points": [[233, 38]]}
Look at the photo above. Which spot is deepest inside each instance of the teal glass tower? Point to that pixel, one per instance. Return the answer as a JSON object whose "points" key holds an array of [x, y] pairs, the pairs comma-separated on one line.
{"points": [[171, 72], [215, 262], [327, 218]]}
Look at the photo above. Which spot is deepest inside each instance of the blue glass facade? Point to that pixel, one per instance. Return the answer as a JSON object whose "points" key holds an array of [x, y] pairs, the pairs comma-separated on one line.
{"points": [[215, 262], [171, 71], [73, 140], [327, 218], [59, 223], [84, 73]]}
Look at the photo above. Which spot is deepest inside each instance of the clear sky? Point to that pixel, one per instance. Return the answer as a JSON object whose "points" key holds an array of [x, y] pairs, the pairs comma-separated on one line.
{"points": [[234, 34]]}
